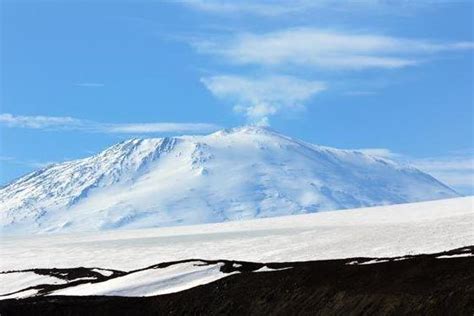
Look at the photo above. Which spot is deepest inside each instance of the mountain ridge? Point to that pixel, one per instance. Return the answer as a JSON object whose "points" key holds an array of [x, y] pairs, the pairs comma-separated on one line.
{"points": [[231, 174]]}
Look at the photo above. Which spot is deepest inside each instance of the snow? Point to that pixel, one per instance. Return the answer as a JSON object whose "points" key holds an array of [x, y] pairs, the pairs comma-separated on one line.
{"points": [[454, 256], [400, 259], [22, 294], [103, 272], [13, 281], [236, 174], [378, 232], [384, 231], [151, 282], [373, 261], [267, 269]]}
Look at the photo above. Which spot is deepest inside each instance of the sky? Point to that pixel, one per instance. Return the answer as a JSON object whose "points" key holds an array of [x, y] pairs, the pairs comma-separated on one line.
{"points": [[393, 78]]}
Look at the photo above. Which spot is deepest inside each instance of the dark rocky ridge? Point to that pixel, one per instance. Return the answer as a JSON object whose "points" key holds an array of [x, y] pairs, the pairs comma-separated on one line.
{"points": [[411, 285]]}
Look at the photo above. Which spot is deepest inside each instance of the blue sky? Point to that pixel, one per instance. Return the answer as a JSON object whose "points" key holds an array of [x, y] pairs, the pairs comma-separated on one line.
{"points": [[392, 77]]}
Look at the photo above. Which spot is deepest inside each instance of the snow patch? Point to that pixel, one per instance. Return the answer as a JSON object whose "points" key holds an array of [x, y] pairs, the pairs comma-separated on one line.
{"points": [[373, 261], [13, 281], [267, 269], [455, 256], [151, 282], [103, 272]]}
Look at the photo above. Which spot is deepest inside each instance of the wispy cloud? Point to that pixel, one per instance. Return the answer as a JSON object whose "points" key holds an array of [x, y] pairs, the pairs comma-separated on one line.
{"points": [[28, 163], [327, 49], [380, 152], [281, 7], [259, 98], [37, 164], [6, 158], [456, 169], [70, 123], [89, 84], [266, 8], [40, 122], [144, 128]]}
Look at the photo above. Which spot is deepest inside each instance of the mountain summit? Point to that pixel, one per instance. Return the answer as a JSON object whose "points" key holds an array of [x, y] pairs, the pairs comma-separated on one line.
{"points": [[240, 173]]}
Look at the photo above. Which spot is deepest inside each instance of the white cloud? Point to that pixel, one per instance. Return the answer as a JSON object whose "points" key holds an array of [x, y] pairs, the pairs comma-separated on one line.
{"points": [[325, 49], [380, 152], [70, 123], [447, 163], [28, 163], [40, 122], [6, 158], [259, 98], [160, 127], [37, 164], [273, 8], [265, 8], [455, 170]]}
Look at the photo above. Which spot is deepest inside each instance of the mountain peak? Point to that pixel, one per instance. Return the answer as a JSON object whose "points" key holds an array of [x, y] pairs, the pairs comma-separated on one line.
{"points": [[246, 129]]}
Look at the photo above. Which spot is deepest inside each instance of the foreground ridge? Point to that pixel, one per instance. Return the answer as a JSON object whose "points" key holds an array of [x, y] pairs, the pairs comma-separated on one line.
{"points": [[432, 284]]}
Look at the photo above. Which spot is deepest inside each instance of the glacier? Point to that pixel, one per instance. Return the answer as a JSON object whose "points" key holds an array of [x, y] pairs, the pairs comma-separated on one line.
{"points": [[233, 174]]}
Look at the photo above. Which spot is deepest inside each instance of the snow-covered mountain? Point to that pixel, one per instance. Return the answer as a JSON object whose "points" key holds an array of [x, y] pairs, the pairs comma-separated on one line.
{"points": [[240, 173]]}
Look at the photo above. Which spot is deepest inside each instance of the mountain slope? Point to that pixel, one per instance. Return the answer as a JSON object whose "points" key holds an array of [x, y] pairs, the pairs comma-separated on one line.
{"points": [[233, 174]]}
